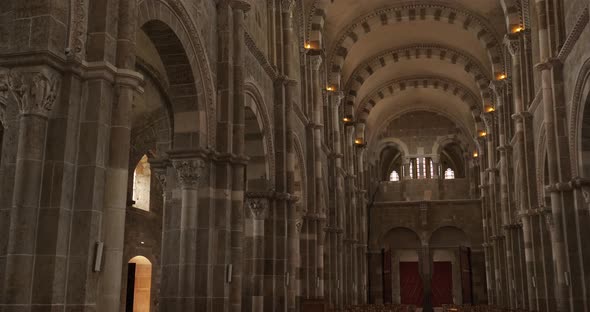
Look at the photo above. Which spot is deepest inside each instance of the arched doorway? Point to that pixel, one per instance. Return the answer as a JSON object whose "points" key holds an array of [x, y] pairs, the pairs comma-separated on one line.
{"points": [[402, 277], [451, 281], [139, 285]]}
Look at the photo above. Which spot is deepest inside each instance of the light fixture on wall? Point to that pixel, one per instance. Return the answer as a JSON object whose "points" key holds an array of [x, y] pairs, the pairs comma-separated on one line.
{"points": [[475, 154], [331, 88], [307, 46], [517, 28], [489, 108], [347, 119], [501, 76], [482, 133]]}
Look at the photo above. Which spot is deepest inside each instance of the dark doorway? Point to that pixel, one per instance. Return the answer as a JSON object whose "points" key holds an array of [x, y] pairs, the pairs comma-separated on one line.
{"points": [[130, 287]]}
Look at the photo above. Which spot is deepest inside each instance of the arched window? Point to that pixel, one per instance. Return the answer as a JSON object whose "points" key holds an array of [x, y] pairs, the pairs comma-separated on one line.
{"points": [[394, 176], [449, 174], [411, 169], [141, 184]]}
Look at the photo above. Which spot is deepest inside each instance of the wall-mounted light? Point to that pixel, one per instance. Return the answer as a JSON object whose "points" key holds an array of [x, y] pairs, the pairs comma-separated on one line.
{"points": [[358, 141], [501, 76], [475, 154], [346, 119], [330, 88], [516, 29], [307, 46], [482, 133], [489, 109]]}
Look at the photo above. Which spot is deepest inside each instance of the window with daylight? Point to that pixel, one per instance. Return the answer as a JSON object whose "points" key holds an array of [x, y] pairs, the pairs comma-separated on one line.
{"points": [[449, 174], [422, 170], [141, 184], [431, 169], [411, 169], [394, 177]]}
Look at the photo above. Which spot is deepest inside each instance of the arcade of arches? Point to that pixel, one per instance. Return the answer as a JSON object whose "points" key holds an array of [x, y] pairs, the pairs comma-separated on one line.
{"points": [[294, 155]]}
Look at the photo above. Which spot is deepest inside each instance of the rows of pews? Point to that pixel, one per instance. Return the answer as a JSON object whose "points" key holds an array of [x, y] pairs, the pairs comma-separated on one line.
{"points": [[477, 308], [379, 308], [412, 308]]}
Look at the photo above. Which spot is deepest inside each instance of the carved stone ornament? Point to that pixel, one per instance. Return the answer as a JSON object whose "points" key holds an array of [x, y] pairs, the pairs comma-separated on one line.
{"points": [[257, 206], [189, 171], [512, 42], [316, 62], [78, 30], [299, 225], [287, 5], [34, 92], [161, 176]]}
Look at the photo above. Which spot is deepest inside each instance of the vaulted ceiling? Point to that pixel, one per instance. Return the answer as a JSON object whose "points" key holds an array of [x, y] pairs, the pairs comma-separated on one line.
{"points": [[394, 56]]}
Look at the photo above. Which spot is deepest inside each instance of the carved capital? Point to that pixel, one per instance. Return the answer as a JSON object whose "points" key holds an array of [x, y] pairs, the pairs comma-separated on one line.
{"points": [[258, 207], [189, 171], [34, 92], [316, 62], [512, 43], [241, 5], [548, 64], [299, 225], [287, 5]]}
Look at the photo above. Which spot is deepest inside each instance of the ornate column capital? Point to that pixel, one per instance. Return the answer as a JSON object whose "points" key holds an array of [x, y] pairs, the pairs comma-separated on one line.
{"points": [[189, 171], [35, 92], [242, 5], [549, 63], [258, 206], [287, 5], [159, 168], [316, 62], [512, 43]]}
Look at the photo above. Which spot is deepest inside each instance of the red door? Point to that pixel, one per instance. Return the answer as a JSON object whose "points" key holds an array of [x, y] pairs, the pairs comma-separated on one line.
{"points": [[442, 284], [412, 289], [387, 278]]}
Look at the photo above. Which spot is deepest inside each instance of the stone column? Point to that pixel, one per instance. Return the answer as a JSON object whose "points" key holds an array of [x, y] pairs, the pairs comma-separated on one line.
{"points": [[334, 222], [557, 236], [181, 285], [115, 197], [258, 206], [514, 42], [35, 91], [238, 165]]}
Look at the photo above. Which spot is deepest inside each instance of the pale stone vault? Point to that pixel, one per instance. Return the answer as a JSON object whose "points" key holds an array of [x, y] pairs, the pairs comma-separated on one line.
{"points": [[263, 155]]}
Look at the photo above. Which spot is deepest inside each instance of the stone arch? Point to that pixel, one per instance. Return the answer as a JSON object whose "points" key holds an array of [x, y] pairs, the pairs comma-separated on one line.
{"points": [[437, 12], [406, 237], [440, 144], [426, 108], [404, 84], [390, 141], [453, 56], [512, 14], [258, 107], [579, 113], [448, 234], [192, 91]]}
